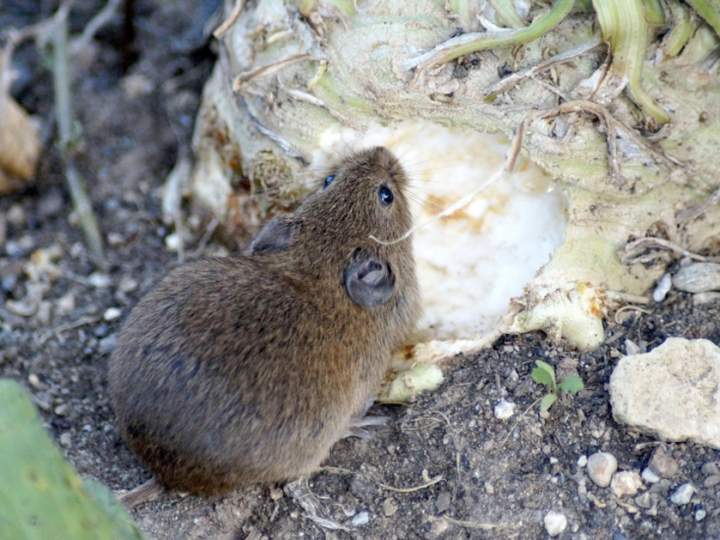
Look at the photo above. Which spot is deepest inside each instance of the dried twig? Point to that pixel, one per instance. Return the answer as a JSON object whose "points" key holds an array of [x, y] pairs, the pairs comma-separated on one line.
{"points": [[632, 253], [428, 482], [627, 308], [103, 17], [474, 525], [81, 200]]}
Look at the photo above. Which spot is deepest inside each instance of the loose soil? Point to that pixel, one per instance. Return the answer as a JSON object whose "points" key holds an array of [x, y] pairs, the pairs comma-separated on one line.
{"points": [[496, 478]]}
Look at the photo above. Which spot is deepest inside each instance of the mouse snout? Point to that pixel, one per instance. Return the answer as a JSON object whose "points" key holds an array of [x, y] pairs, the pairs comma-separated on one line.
{"points": [[384, 158]]}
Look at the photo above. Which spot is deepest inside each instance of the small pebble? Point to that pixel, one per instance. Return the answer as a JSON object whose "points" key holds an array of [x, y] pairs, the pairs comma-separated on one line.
{"points": [[489, 488], [442, 503], [66, 440], [65, 304], [631, 348], [112, 313], [683, 494], [625, 483], [389, 507], [8, 282], [99, 280], [13, 249], [51, 204], [172, 242], [702, 298], [107, 344], [710, 468], [582, 461], [363, 518], [555, 523], [663, 463], [35, 381], [127, 285], [115, 239], [662, 288], [700, 514], [16, 216], [101, 330], [276, 493], [61, 410], [712, 481], [600, 468], [643, 500], [650, 476], [504, 409], [438, 528]]}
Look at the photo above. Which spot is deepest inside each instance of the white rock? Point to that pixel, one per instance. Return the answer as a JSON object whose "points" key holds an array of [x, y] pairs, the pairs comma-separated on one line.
{"points": [[600, 468], [582, 461], [650, 476], [700, 514], [98, 280], [112, 313], [625, 483], [662, 288], [555, 523], [362, 518], [504, 409], [683, 494], [672, 392]]}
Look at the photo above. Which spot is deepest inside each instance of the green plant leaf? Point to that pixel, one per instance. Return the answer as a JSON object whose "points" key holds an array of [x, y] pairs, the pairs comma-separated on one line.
{"points": [[547, 401], [572, 383], [544, 374], [41, 495]]}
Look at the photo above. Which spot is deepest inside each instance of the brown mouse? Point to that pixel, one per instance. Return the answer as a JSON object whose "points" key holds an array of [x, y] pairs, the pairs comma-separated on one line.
{"points": [[248, 369]]}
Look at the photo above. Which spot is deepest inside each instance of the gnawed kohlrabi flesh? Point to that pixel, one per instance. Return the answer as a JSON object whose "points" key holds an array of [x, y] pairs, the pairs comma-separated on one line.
{"points": [[299, 83]]}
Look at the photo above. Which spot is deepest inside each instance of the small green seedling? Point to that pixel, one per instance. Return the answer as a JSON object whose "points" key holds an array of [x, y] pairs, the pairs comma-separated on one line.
{"points": [[545, 374]]}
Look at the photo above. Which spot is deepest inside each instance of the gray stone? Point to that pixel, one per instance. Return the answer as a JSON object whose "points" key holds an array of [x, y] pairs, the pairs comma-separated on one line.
{"points": [[698, 277], [712, 481], [442, 503], [672, 392], [600, 468]]}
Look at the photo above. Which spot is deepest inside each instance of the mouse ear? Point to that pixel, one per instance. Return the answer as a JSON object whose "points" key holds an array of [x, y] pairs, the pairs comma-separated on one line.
{"points": [[369, 281], [275, 236]]}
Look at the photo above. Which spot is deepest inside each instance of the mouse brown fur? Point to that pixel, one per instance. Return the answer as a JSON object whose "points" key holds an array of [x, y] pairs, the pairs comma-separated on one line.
{"points": [[248, 369]]}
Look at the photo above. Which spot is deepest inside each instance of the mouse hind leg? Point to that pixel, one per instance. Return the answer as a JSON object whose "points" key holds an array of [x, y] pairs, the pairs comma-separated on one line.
{"points": [[359, 423]]}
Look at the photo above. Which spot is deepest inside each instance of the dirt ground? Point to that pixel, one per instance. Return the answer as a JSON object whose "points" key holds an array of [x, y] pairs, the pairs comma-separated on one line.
{"points": [[497, 478]]}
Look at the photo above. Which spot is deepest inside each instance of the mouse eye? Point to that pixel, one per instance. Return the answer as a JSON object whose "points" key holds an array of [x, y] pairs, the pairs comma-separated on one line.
{"points": [[328, 181], [386, 196]]}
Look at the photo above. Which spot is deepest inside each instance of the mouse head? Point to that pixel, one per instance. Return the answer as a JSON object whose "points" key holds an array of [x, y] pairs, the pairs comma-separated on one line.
{"points": [[363, 195]]}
